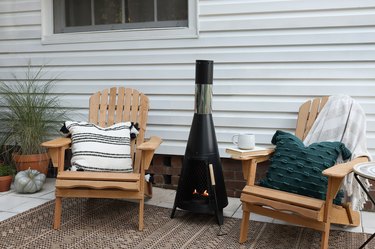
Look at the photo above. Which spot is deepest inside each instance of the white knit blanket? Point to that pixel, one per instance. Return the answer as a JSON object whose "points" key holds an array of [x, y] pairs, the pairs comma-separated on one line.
{"points": [[343, 119]]}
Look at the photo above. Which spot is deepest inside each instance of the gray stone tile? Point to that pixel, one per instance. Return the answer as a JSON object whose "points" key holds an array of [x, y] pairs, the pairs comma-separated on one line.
{"points": [[357, 229], [165, 205], [261, 218], [233, 203], [6, 215], [253, 216], [152, 201], [10, 202], [30, 203], [369, 230], [5, 193], [281, 222], [368, 219], [238, 213], [48, 187], [8, 192], [48, 196], [233, 206], [162, 195]]}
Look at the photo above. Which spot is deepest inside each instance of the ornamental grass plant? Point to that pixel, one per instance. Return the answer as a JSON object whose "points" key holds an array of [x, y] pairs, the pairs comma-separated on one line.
{"points": [[30, 112]]}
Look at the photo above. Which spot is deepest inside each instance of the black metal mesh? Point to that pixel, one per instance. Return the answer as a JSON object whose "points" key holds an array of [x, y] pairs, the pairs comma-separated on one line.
{"points": [[195, 178]]}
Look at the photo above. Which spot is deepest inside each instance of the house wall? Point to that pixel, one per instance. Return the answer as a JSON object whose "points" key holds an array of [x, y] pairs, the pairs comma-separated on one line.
{"points": [[270, 56]]}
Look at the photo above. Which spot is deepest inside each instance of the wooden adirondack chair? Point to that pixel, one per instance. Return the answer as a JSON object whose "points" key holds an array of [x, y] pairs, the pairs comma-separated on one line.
{"points": [[106, 108], [305, 211]]}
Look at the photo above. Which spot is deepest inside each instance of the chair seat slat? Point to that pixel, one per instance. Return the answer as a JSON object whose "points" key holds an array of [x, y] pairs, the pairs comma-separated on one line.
{"points": [[281, 196], [98, 176]]}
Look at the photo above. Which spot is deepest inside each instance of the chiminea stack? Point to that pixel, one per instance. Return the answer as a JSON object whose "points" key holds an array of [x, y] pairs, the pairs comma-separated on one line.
{"points": [[197, 191]]}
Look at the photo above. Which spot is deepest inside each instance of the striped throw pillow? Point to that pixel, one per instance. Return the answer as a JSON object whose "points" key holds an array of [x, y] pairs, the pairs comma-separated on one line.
{"points": [[96, 148]]}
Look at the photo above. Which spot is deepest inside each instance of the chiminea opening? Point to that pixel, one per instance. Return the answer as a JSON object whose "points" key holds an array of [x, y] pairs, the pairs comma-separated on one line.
{"points": [[200, 189]]}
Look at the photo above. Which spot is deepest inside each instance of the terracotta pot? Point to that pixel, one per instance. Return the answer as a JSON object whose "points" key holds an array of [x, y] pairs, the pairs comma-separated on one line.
{"points": [[39, 162], [5, 182]]}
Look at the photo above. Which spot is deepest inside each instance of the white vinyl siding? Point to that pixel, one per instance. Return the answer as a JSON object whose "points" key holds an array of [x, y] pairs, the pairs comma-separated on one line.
{"points": [[270, 56]]}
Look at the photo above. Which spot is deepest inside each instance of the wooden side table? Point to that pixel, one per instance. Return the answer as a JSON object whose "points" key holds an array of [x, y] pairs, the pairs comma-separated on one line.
{"points": [[365, 170]]}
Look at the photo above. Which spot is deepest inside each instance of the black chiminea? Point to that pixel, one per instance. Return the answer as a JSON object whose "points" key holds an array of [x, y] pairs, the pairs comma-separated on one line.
{"points": [[199, 191]]}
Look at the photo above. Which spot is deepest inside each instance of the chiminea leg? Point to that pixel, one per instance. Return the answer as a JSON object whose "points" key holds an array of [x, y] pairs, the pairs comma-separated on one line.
{"points": [[219, 216], [176, 198], [174, 205], [173, 210], [218, 212]]}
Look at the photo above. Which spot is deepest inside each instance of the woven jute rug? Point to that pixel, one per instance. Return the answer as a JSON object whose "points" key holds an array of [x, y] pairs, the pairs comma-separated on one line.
{"points": [[102, 223]]}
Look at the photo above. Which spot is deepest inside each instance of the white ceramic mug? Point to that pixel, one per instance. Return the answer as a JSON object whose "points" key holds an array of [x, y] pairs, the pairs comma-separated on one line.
{"points": [[244, 141]]}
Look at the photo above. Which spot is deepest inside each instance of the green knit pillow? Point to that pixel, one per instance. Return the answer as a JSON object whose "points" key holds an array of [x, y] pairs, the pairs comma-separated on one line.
{"points": [[298, 169]]}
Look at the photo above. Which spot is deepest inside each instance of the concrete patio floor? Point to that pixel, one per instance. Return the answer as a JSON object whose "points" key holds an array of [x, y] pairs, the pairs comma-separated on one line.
{"points": [[12, 203]]}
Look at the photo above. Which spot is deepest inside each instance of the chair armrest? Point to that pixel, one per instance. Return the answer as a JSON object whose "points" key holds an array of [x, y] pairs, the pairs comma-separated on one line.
{"points": [[249, 165], [151, 144], [56, 151], [148, 149], [341, 170], [56, 143]]}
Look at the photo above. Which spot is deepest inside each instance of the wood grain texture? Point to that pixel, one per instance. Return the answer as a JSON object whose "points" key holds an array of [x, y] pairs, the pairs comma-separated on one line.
{"points": [[310, 212], [106, 108]]}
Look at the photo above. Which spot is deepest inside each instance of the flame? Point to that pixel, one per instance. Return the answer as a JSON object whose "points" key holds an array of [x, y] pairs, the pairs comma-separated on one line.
{"points": [[195, 192], [205, 193]]}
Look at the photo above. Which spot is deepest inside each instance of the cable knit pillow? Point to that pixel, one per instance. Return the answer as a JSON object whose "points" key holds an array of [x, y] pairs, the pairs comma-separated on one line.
{"points": [[298, 169], [100, 149]]}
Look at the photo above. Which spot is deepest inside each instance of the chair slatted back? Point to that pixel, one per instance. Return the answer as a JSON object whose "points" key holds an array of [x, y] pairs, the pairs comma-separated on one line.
{"points": [[121, 104], [307, 114]]}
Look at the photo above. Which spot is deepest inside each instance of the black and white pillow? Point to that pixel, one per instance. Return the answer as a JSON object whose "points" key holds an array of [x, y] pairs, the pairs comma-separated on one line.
{"points": [[96, 148]]}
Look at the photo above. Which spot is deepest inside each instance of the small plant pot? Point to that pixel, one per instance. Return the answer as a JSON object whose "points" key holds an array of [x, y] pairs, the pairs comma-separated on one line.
{"points": [[5, 182], [38, 162]]}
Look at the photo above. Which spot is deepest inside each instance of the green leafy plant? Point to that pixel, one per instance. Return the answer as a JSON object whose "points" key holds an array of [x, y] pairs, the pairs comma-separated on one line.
{"points": [[30, 113], [6, 170]]}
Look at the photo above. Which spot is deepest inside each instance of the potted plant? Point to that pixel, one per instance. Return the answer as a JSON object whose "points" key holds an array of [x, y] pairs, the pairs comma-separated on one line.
{"points": [[6, 176], [30, 115]]}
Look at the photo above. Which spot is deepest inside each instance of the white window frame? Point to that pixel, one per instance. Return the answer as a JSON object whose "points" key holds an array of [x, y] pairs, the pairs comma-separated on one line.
{"points": [[48, 37]]}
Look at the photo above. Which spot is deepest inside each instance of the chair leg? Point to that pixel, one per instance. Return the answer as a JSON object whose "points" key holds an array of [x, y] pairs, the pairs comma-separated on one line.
{"points": [[325, 236], [57, 218], [141, 210], [244, 223]]}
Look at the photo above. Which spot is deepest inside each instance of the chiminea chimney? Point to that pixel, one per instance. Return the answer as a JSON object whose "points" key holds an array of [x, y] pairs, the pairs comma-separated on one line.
{"points": [[195, 192]]}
